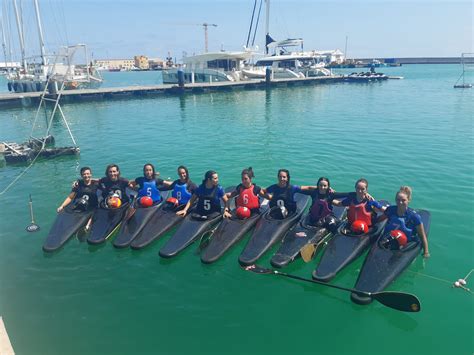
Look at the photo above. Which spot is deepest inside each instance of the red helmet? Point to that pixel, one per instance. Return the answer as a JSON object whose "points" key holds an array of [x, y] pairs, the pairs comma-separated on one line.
{"points": [[399, 236], [173, 201], [359, 227], [243, 212], [146, 201]]}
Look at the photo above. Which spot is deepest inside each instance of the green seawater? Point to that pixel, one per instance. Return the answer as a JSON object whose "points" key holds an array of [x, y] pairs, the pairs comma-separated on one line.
{"points": [[100, 300]]}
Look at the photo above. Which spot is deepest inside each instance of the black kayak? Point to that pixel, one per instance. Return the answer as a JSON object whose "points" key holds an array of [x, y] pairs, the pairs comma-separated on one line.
{"points": [[343, 249], [383, 265], [67, 223], [270, 230], [229, 232], [105, 222], [130, 228], [189, 231], [300, 235], [160, 222]]}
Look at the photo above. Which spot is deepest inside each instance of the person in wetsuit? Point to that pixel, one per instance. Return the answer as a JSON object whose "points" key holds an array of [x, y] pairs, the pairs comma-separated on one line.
{"points": [[361, 206], [402, 218], [181, 189], [147, 185], [113, 185], [321, 210], [208, 196], [83, 194], [282, 195], [247, 193]]}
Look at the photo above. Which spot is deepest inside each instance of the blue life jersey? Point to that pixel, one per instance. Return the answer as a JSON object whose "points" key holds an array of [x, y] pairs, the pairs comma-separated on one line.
{"points": [[406, 223], [148, 188], [181, 193]]}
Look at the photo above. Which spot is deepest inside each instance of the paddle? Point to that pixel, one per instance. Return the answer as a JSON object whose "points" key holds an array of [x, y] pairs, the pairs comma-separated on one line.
{"points": [[400, 301], [308, 251], [33, 227], [206, 239]]}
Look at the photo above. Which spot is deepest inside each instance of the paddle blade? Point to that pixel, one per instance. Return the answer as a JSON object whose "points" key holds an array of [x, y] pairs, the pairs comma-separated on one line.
{"points": [[33, 227], [257, 269], [307, 252], [404, 302]]}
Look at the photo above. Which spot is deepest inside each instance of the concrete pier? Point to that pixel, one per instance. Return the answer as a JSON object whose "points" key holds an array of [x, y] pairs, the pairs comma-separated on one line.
{"points": [[130, 92]]}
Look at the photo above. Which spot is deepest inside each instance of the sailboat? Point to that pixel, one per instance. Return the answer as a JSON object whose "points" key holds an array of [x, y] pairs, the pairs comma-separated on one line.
{"points": [[466, 59], [33, 76]]}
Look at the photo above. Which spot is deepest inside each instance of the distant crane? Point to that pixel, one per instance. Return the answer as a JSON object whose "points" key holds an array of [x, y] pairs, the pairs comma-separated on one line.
{"points": [[205, 25]]}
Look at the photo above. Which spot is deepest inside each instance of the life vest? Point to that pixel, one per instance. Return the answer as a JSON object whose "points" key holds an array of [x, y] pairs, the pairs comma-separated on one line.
{"points": [[247, 198], [181, 193], [396, 222], [150, 189], [87, 193], [319, 209], [208, 203], [358, 213]]}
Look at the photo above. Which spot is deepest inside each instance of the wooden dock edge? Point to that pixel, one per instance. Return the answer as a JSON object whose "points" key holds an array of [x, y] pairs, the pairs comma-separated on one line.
{"points": [[5, 344]]}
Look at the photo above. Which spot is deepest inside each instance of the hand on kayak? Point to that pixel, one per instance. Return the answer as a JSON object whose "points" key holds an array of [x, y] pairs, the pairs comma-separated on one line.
{"points": [[181, 213], [59, 209], [426, 255], [227, 214]]}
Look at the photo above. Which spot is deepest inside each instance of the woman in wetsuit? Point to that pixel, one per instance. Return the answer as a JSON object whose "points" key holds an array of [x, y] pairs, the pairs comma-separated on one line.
{"points": [[402, 218], [208, 196], [362, 207], [282, 195], [247, 195], [147, 185], [181, 189]]}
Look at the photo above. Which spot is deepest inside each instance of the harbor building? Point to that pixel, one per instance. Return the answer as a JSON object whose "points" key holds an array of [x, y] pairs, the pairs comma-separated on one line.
{"points": [[115, 64], [141, 62]]}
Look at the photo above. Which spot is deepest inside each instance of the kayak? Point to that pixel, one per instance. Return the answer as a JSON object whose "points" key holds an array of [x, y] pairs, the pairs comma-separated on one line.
{"points": [[300, 235], [382, 265], [229, 232], [105, 221], [160, 222], [68, 222], [270, 231], [189, 231], [343, 249], [130, 228]]}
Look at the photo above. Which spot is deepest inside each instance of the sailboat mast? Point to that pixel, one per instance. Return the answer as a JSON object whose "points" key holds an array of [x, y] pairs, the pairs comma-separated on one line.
{"points": [[267, 23], [20, 34], [40, 33], [4, 42]]}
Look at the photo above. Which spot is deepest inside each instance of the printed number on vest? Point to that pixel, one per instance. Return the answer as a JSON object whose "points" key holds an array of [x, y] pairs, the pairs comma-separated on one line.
{"points": [[245, 199], [207, 205], [148, 192], [280, 203], [178, 195]]}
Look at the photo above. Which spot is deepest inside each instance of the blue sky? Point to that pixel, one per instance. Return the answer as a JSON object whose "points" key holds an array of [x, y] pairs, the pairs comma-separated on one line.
{"points": [[122, 29]]}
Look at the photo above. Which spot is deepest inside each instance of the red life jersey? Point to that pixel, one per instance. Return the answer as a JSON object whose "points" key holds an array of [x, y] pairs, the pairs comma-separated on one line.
{"points": [[320, 209], [247, 198], [359, 213]]}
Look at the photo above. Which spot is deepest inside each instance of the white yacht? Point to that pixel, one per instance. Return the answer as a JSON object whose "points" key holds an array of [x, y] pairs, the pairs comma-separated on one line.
{"points": [[209, 67]]}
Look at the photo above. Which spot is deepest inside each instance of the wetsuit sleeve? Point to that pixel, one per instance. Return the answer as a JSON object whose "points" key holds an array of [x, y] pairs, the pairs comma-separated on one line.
{"points": [[346, 202], [159, 181], [256, 190], [415, 218], [271, 189], [338, 195], [220, 192], [138, 181], [167, 188], [371, 204], [192, 187], [296, 188]]}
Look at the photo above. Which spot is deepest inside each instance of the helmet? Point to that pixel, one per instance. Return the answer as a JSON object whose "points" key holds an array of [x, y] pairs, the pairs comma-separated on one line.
{"points": [[242, 212], [146, 201], [359, 227], [399, 236], [114, 202], [173, 201]]}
